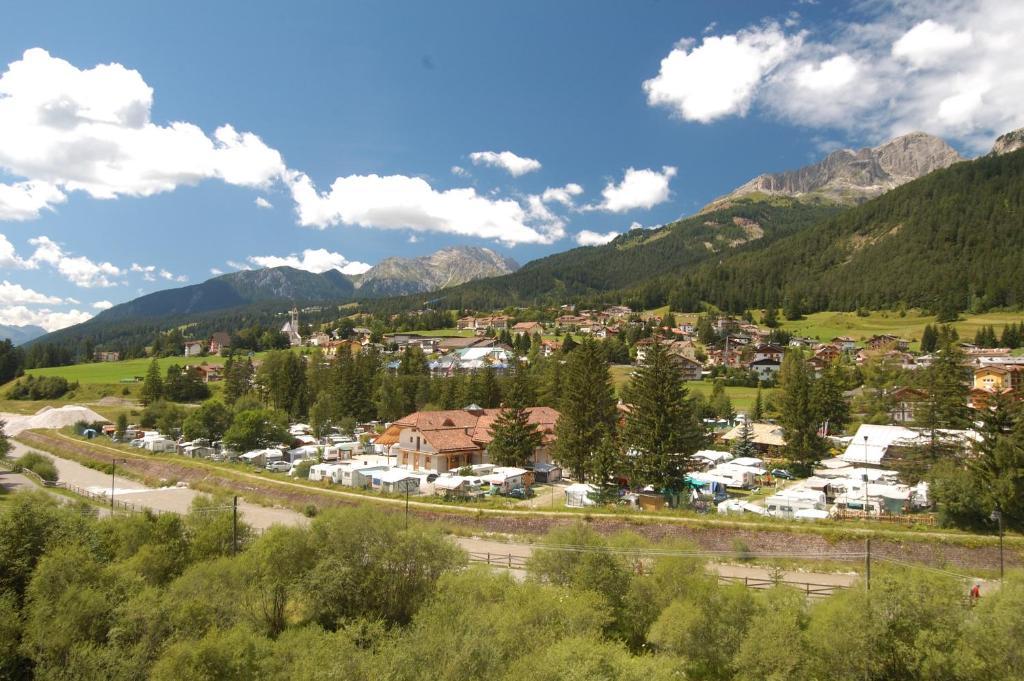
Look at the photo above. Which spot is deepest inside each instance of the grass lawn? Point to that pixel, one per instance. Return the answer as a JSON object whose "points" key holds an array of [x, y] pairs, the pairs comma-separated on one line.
{"points": [[461, 333], [827, 325], [742, 398], [112, 373]]}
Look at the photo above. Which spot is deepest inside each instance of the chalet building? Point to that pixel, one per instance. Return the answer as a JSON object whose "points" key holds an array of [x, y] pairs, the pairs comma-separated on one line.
{"points": [[442, 441], [772, 352], [691, 368], [193, 348], [828, 353], [905, 402], [220, 341], [995, 378], [107, 356], [888, 341], [766, 369], [845, 343], [528, 328]]}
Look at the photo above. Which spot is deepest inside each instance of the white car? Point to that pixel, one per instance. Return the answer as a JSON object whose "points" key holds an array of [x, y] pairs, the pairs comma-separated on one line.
{"points": [[279, 466]]}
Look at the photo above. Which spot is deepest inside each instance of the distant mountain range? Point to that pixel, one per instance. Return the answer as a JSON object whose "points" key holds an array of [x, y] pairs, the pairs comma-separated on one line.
{"points": [[848, 176], [393, 276], [21, 334], [949, 234]]}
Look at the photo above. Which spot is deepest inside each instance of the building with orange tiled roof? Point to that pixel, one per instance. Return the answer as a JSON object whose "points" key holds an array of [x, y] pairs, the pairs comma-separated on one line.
{"points": [[440, 441]]}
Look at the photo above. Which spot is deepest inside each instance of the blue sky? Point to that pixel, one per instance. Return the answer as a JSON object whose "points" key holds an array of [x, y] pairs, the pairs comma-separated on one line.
{"points": [[375, 129]]}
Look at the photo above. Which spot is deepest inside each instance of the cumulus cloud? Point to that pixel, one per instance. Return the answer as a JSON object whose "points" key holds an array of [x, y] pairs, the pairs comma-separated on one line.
{"points": [[8, 255], [951, 68], [317, 260], [588, 238], [929, 43], [148, 272], [51, 320], [400, 202], [170, 276], [69, 129], [102, 305], [639, 189], [11, 294], [718, 77], [563, 195], [460, 171], [513, 163], [263, 203], [79, 270]]}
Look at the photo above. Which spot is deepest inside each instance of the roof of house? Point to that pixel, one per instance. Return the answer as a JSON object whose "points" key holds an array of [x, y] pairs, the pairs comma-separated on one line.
{"points": [[767, 434], [460, 429], [221, 338]]}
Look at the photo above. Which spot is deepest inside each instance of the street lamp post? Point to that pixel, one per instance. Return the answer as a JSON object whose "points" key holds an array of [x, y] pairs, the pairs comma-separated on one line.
{"points": [[865, 476], [113, 468], [997, 515]]}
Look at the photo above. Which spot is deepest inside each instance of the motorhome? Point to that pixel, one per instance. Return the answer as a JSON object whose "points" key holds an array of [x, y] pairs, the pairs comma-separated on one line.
{"points": [[786, 503]]}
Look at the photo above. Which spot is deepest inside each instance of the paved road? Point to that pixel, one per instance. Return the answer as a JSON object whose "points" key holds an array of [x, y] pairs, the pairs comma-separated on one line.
{"points": [[172, 499]]}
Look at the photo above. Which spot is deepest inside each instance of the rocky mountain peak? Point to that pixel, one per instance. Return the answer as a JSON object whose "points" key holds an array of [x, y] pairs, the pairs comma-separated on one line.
{"points": [[1011, 141], [849, 176]]}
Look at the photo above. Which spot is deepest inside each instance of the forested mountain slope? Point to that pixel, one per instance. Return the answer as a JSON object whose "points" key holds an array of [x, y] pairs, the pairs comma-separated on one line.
{"points": [[640, 255], [948, 240]]}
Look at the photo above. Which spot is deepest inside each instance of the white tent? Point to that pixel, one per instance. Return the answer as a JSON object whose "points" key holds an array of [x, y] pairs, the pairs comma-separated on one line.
{"points": [[578, 495]]}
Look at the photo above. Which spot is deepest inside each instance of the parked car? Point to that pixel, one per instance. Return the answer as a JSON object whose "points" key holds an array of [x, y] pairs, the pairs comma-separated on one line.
{"points": [[519, 493], [432, 477], [279, 466], [782, 473]]}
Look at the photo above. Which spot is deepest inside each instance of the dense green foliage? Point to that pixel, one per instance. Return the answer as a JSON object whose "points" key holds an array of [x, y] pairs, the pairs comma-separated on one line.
{"points": [[40, 388], [356, 596]]}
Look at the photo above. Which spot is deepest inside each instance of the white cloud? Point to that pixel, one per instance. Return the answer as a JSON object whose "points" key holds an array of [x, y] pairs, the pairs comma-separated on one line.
{"points": [[588, 238], [11, 294], [563, 195], [639, 189], [216, 272], [8, 256], [148, 272], [929, 43], [400, 202], [102, 305], [79, 270], [312, 260], [460, 171], [170, 276], [51, 320], [234, 264], [25, 200], [413, 239], [263, 203], [70, 129], [719, 77], [515, 165], [952, 68]]}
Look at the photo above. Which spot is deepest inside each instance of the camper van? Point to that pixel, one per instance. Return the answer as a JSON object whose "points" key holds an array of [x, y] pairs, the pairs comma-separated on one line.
{"points": [[785, 504]]}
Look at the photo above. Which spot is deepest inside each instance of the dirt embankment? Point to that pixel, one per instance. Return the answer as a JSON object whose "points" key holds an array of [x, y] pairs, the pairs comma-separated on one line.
{"points": [[934, 551]]}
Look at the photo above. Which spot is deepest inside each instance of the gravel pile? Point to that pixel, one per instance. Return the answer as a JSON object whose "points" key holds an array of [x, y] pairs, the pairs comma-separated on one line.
{"points": [[49, 417]]}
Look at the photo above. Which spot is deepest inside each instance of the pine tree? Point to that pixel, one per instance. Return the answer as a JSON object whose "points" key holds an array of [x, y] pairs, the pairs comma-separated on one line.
{"points": [[605, 465], [514, 438], [588, 408], [744, 444], [798, 416], [771, 317], [830, 405], [662, 430], [122, 425], [519, 391], [153, 386], [757, 414], [945, 406], [929, 339]]}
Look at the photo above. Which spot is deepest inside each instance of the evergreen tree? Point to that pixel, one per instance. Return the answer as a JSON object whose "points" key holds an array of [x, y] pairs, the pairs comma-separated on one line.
{"points": [[998, 460], [744, 444], [605, 465], [519, 391], [771, 317], [929, 339], [662, 430], [588, 408], [122, 425], [568, 344], [798, 415], [720, 404], [238, 375], [514, 438], [830, 405], [550, 394], [945, 405], [757, 413], [153, 386]]}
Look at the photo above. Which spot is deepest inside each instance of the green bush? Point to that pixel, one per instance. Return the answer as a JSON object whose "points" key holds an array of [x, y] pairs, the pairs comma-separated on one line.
{"points": [[40, 388], [40, 465]]}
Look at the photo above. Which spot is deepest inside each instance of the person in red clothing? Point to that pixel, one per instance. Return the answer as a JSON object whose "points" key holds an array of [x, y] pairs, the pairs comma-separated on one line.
{"points": [[975, 594]]}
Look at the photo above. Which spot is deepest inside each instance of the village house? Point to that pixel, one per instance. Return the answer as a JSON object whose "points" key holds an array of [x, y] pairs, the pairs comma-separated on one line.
{"points": [[766, 369], [619, 311], [888, 341], [528, 328], [772, 352], [904, 402], [766, 437], [442, 441], [220, 342], [193, 348], [690, 368], [845, 343], [549, 347], [995, 378], [828, 353], [107, 356]]}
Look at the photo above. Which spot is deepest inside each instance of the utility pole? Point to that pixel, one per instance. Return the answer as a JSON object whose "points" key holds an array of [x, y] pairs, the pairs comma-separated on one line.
{"points": [[234, 526], [407, 504], [867, 563], [997, 515], [113, 468]]}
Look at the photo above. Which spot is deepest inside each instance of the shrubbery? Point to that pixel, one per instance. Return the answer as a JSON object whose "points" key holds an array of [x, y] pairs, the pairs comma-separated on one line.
{"points": [[40, 465], [40, 388]]}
